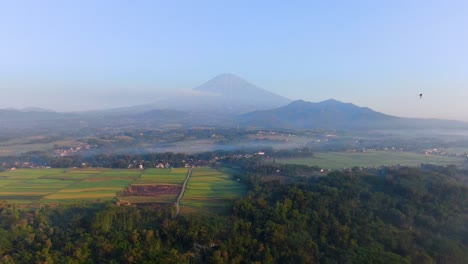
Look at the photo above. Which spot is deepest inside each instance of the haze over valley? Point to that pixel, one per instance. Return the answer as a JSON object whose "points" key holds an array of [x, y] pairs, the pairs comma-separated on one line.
{"points": [[233, 132]]}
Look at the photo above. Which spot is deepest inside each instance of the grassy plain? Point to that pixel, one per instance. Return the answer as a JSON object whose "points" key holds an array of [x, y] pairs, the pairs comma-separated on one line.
{"points": [[211, 190], [340, 160]]}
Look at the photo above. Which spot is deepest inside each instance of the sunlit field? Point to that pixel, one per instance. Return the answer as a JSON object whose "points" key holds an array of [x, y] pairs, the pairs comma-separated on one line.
{"points": [[210, 189], [51, 186], [163, 176], [207, 189]]}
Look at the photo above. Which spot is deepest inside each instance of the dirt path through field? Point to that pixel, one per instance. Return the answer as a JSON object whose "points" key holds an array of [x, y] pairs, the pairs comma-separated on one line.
{"points": [[177, 203]]}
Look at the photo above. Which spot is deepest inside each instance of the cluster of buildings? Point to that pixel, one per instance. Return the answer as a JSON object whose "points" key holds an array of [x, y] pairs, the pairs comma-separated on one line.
{"points": [[73, 150], [442, 152]]}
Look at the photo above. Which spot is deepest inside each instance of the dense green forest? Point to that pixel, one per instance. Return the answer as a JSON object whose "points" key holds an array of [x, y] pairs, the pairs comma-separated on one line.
{"points": [[404, 215]]}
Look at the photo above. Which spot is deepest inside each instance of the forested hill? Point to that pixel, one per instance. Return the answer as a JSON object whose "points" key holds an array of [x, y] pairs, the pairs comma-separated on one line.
{"points": [[382, 216]]}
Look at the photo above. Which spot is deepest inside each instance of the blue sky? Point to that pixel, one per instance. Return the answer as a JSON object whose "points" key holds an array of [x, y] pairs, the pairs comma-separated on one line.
{"points": [[77, 55]]}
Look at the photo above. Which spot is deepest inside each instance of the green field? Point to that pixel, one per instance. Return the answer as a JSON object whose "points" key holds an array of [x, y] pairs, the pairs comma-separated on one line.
{"points": [[207, 189], [51, 186], [163, 176], [340, 160], [210, 189]]}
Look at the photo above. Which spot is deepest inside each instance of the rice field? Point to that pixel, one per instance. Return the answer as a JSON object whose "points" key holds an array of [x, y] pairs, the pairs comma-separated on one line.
{"points": [[163, 176], [51, 186], [340, 160], [210, 189], [207, 189], [167, 199]]}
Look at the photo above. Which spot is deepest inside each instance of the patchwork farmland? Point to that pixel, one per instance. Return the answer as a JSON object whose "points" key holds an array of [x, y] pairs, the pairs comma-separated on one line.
{"points": [[207, 188], [52, 186]]}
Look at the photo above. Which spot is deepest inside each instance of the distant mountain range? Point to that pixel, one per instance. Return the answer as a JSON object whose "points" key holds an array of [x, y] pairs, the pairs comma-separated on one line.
{"points": [[329, 114], [226, 100], [332, 114]]}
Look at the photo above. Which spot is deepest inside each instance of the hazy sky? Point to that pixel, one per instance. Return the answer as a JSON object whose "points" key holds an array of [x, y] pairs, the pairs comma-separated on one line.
{"points": [[70, 55]]}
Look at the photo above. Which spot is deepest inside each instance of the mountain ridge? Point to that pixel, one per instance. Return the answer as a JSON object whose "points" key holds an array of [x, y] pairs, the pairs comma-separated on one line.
{"points": [[227, 100], [333, 114]]}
